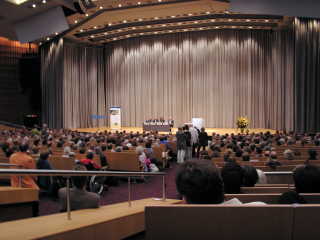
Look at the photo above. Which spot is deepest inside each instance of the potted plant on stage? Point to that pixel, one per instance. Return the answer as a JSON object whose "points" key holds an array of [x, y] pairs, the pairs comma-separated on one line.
{"points": [[242, 123]]}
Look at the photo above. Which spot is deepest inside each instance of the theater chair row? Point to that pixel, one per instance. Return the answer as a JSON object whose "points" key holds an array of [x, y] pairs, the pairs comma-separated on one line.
{"points": [[171, 220]]}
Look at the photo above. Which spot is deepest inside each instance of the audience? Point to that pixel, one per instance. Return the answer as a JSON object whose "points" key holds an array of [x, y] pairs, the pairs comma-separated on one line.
{"points": [[232, 175], [307, 179]]}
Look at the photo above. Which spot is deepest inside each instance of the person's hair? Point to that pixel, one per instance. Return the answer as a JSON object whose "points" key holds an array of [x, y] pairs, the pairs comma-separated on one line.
{"points": [[148, 144], [79, 181], [307, 179], [23, 147], [250, 176], [89, 155], [312, 154], [232, 175], [200, 182], [44, 156], [246, 157], [291, 197]]}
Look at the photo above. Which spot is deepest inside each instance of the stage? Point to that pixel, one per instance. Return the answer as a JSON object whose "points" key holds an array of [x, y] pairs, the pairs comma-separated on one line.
{"points": [[208, 130]]}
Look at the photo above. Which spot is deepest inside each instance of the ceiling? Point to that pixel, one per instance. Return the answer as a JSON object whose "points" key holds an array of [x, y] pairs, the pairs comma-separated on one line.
{"points": [[112, 20]]}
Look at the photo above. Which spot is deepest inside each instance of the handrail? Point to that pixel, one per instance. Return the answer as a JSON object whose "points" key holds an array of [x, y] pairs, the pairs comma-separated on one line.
{"points": [[279, 173], [9, 165], [26, 172], [70, 173]]}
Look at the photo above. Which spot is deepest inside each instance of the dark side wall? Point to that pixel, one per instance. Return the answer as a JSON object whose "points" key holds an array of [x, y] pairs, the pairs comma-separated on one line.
{"points": [[19, 81]]}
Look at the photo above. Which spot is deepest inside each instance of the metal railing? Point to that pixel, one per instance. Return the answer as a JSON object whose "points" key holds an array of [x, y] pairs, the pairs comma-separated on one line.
{"points": [[69, 173]]}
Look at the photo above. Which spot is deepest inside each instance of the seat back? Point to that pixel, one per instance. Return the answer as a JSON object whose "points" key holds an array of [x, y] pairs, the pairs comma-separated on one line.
{"points": [[219, 222]]}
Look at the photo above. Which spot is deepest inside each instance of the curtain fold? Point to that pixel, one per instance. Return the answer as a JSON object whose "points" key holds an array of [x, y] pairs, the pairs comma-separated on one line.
{"points": [[307, 73]]}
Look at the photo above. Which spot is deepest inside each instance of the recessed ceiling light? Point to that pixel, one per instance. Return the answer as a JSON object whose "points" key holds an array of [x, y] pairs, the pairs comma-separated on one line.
{"points": [[119, 5]]}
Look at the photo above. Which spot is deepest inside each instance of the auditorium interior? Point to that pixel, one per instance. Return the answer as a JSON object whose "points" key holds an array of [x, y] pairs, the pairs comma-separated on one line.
{"points": [[159, 119]]}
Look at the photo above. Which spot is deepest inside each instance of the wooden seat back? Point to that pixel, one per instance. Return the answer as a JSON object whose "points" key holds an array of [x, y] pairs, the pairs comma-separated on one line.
{"points": [[219, 222], [123, 161]]}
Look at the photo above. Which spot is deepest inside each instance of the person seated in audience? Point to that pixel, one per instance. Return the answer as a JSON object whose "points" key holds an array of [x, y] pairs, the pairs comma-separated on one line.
{"points": [[312, 154], [307, 179], [43, 164], [250, 176], [80, 198], [288, 154], [144, 161], [199, 182], [24, 161], [89, 163], [232, 175], [262, 178], [246, 157]]}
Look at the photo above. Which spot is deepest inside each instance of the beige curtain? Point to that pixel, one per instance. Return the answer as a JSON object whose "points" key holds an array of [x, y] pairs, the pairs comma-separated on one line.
{"points": [[214, 75]]}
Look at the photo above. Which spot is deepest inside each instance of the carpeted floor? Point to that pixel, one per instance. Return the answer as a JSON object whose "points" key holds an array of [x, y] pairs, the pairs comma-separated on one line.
{"points": [[151, 188]]}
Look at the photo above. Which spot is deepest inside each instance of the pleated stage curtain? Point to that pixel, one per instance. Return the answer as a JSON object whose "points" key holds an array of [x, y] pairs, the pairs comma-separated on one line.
{"points": [[215, 75], [73, 85], [307, 74]]}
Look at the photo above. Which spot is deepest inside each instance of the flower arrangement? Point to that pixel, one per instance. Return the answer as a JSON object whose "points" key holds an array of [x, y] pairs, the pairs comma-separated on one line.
{"points": [[242, 123]]}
